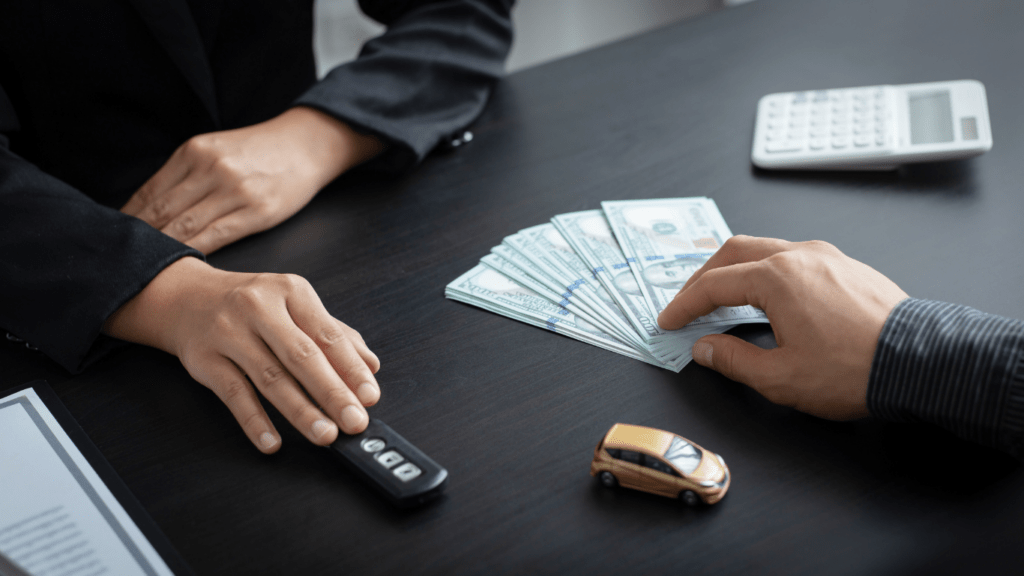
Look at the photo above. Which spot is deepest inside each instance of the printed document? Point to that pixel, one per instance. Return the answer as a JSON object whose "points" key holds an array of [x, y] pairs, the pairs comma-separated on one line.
{"points": [[56, 514]]}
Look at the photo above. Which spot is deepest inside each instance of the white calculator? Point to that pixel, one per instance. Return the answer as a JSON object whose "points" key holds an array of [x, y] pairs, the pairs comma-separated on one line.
{"points": [[872, 127]]}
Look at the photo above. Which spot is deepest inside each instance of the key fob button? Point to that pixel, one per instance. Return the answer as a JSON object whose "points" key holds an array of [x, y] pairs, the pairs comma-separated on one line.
{"points": [[389, 458], [372, 445], [406, 472]]}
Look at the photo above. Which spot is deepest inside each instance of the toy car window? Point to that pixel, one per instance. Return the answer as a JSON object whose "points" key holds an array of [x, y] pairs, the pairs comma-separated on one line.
{"points": [[656, 464], [630, 456], [683, 455], [614, 452]]}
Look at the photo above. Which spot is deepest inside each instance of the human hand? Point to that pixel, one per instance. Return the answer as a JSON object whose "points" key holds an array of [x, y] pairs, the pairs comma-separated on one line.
{"points": [[223, 186], [826, 309], [224, 326]]}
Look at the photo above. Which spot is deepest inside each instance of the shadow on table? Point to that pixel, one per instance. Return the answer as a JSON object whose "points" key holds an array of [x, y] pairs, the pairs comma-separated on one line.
{"points": [[951, 177]]}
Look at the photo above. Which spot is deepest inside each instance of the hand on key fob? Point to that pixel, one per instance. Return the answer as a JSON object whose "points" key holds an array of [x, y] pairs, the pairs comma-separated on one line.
{"points": [[391, 465]]}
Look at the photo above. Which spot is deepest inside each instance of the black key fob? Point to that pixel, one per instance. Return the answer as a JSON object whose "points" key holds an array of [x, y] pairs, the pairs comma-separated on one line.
{"points": [[401, 472]]}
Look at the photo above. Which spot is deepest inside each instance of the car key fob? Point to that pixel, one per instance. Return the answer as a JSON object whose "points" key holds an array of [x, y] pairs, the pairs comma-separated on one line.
{"points": [[401, 472]]}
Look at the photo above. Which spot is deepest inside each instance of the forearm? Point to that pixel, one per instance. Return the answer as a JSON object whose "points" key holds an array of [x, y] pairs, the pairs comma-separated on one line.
{"points": [[68, 262], [955, 367], [331, 145], [147, 317]]}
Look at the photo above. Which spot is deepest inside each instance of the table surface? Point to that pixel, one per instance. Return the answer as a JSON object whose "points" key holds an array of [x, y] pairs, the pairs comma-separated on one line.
{"points": [[514, 412]]}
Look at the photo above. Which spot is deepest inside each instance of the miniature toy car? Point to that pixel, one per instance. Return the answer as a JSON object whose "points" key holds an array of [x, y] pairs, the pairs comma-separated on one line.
{"points": [[659, 462]]}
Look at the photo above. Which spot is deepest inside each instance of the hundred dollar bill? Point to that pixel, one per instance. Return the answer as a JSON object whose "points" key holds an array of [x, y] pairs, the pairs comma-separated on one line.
{"points": [[526, 271], [550, 241], [540, 245], [487, 288], [665, 241], [592, 239], [518, 274], [543, 274]]}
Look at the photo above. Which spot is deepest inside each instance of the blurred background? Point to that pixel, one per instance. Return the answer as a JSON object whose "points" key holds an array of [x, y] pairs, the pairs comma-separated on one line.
{"points": [[545, 29]]}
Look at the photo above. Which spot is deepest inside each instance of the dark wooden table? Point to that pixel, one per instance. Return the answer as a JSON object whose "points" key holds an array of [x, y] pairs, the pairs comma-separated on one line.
{"points": [[514, 412]]}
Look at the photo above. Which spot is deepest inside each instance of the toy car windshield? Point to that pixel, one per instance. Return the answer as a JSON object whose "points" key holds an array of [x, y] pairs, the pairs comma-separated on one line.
{"points": [[683, 455]]}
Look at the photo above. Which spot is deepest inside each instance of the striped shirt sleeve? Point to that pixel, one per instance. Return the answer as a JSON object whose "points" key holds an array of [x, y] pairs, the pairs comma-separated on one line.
{"points": [[953, 366]]}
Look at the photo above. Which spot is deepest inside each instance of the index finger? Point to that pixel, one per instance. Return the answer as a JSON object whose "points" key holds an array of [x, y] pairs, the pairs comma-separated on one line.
{"points": [[735, 285], [304, 359], [174, 171], [737, 250], [338, 343]]}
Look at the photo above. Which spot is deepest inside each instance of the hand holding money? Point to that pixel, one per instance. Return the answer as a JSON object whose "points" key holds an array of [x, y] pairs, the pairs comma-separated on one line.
{"points": [[826, 309], [603, 281]]}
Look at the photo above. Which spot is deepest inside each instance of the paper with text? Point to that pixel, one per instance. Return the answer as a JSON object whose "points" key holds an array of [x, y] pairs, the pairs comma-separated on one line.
{"points": [[56, 514]]}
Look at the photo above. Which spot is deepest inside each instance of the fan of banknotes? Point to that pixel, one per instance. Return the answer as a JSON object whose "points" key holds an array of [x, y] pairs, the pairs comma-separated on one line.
{"points": [[603, 276]]}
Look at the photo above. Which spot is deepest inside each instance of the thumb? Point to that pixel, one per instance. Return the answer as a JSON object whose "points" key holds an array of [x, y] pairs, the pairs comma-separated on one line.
{"points": [[736, 359]]}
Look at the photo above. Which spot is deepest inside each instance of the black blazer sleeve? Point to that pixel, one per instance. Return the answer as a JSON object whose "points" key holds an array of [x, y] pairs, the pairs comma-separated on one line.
{"points": [[66, 262], [424, 79]]}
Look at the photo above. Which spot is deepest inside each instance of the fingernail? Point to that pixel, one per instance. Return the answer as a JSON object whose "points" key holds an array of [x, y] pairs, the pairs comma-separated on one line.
{"points": [[322, 427], [351, 418], [368, 393], [268, 440], [702, 353]]}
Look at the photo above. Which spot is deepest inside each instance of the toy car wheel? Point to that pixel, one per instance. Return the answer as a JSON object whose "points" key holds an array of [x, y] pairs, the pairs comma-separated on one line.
{"points": [[689, 497], [608, 480]]}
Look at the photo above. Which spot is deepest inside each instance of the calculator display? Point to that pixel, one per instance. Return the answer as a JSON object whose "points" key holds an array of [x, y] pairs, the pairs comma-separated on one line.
{"points": [[931, 117]]}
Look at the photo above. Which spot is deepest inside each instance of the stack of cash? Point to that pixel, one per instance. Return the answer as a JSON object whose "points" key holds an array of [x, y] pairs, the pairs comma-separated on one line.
{"points": [[603, 276]]}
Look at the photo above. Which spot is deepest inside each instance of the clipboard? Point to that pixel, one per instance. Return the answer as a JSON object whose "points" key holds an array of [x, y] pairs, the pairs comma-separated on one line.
{"points": [[119, 521]]}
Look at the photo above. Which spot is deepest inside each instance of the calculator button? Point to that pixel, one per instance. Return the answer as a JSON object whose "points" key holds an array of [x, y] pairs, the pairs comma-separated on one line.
{"points": [[817, 144], [372, 445], [799, 98], [861, 141], [772, 136], [787, 146], [407, 471], [774, 124], [389, 458], [879, 140], [818, 132], [774, 112], [839, 130], [840, 142]]}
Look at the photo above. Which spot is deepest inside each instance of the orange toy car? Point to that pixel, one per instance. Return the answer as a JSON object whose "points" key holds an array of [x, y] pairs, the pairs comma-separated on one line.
{"points": [[659, 462]]}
